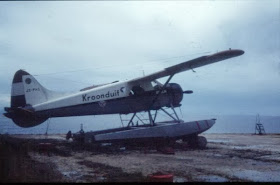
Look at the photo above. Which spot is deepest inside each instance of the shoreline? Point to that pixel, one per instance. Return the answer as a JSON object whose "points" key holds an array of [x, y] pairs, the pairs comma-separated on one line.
{"points": [[227, 158]]}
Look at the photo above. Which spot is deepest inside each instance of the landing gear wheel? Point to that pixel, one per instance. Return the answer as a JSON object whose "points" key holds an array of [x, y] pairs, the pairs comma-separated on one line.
{"points": [[199, 142]]}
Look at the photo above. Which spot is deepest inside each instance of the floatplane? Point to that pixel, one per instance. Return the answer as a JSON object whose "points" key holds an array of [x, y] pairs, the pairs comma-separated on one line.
{"points": [[32, 104]]}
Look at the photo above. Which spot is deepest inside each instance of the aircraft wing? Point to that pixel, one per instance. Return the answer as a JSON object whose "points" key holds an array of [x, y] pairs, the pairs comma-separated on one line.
{"points": [[191, 64]]}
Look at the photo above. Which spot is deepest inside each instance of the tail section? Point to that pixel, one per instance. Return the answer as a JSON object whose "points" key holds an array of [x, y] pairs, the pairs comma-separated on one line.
{"points": [[34, 92], [26, 92]]}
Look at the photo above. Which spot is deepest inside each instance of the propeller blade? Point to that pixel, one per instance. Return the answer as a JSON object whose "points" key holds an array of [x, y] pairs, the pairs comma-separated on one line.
{"points": [[188, 92]]}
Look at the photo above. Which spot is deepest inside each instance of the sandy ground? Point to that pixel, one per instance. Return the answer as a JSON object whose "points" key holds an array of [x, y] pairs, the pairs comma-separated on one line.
{"points": [[228, 157]]}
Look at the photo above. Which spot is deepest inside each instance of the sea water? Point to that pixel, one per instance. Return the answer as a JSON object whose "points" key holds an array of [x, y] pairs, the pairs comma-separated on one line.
{"points": [[224, 124]]}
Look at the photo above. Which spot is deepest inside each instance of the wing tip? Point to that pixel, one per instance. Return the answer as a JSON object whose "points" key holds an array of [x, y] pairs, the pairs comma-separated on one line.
{"points": [[238, 52], [235, 52], [228, 53]]}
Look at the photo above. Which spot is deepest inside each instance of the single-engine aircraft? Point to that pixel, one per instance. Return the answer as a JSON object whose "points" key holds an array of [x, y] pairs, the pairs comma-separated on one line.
{"points": [[32, 104]]}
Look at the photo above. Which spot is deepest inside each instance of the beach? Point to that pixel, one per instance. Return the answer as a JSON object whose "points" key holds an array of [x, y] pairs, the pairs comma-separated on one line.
{"points": [[52, 158]]}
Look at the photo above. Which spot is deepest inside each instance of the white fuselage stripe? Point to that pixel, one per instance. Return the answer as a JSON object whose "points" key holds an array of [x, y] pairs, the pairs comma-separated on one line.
{"points": [[112, 91], [17, 89]]}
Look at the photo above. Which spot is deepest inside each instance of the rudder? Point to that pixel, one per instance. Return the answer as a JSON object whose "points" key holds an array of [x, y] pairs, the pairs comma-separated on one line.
{"points": [[17, 92], [26, 90]]}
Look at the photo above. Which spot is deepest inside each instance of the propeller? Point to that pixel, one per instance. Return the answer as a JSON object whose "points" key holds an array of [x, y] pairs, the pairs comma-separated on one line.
{"points": [[188, 92]]}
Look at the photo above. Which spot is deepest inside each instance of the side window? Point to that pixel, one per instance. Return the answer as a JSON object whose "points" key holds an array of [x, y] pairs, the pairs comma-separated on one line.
{"points": [[136, 90], [156, 87]]}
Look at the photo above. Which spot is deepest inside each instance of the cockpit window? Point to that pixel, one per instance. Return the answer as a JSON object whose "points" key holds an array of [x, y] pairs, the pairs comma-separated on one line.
{"points": [[136, 90]]}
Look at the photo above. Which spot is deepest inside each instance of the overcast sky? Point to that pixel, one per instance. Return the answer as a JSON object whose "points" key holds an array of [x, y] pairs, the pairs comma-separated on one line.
{"points": [[71, 44]]}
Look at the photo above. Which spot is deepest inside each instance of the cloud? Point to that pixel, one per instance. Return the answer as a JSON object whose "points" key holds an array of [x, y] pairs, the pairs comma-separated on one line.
{"points": [[106, 41], [4, 100]]}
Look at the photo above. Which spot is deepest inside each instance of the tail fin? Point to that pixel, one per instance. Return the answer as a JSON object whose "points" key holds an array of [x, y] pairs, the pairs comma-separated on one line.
{"points": [[17, 93], [26, 90]]}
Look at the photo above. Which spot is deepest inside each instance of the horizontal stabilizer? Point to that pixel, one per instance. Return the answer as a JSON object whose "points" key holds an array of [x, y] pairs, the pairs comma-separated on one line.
{"points": [[12, 112]]}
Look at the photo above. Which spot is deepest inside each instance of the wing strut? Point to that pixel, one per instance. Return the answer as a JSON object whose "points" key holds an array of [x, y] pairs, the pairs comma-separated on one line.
{"points": [[151, 118], [131, 119], [172, 107], [161, 89]]}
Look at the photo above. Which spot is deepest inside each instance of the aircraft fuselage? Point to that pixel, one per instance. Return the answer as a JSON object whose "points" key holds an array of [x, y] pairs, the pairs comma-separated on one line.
{"points": [[113, 102]]}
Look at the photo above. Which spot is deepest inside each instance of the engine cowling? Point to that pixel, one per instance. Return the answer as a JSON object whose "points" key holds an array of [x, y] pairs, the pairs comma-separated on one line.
{"points": [[175, 92]]}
